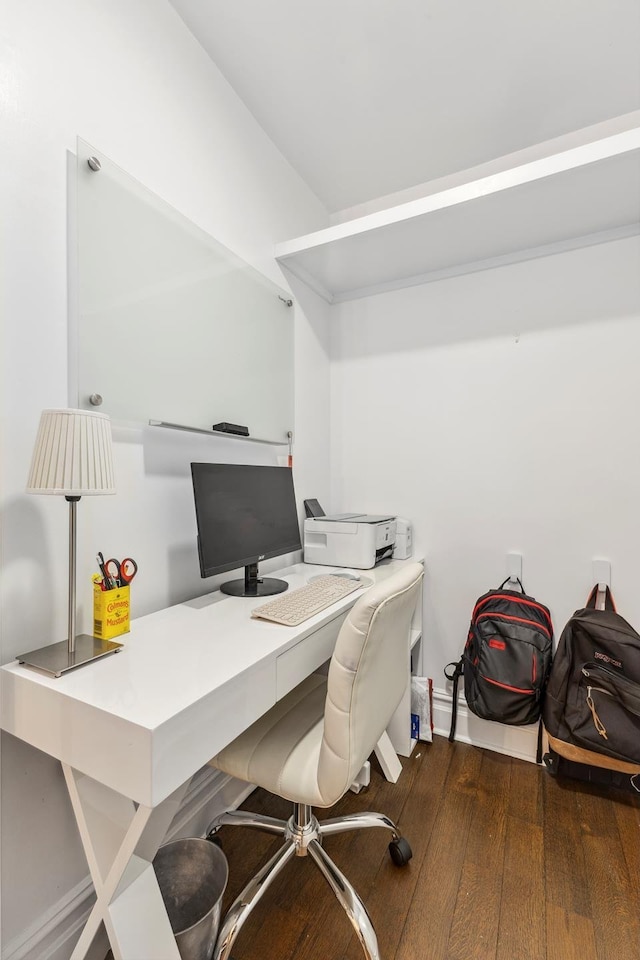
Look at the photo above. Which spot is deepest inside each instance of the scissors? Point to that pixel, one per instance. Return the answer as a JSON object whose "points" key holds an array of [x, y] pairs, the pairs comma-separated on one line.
{"points": [[121, 572]]}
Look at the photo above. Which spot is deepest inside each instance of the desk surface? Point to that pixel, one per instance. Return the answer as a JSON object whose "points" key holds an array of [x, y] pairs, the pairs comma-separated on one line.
{"points": [[188, 680]]}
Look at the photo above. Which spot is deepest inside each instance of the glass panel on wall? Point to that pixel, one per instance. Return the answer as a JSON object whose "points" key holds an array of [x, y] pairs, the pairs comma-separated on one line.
{"points": [[171, 325]]}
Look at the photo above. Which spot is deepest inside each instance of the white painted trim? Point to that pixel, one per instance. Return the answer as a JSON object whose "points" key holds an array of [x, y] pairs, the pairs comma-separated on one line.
{"points": [[519, 742], [51, 935], [51, 930]]}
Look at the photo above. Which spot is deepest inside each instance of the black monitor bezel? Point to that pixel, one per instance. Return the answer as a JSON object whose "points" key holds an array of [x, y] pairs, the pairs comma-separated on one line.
{"points": [[249, 560]]}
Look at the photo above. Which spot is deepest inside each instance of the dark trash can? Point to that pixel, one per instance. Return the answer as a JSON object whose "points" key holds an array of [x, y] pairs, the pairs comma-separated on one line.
{"points": [[192, 875]]}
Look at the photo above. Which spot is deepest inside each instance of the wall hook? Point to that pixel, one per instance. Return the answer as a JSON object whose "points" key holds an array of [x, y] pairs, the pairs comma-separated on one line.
{"points": [[602, 577], [514, 567]]}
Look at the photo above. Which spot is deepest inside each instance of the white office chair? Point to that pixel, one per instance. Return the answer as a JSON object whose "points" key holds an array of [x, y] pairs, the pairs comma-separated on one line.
{"points": [[311, 745]]}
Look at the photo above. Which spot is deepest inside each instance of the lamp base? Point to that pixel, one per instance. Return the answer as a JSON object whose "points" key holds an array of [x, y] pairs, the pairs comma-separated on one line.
{"points": [[56, 659]]}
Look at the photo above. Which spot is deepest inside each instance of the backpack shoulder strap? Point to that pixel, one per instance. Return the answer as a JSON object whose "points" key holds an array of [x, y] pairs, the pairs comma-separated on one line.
{"points": [[608, 601], [454, 676], [509, 580], [539, 741]]}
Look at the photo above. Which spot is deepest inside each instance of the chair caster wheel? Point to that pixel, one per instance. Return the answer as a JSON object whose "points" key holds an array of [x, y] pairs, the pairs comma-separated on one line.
{"points": [[400, 852], [214, 837]]}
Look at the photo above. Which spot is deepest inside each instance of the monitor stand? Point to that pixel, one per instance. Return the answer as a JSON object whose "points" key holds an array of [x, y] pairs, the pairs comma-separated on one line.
{"points": [[252, 585]]}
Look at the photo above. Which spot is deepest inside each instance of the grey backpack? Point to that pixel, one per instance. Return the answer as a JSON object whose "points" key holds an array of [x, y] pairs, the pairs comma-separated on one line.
{"points": [[506, 659]]}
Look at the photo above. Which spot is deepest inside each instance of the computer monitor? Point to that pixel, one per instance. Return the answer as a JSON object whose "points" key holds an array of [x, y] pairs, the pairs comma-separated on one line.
{"points": [[244, 514]]}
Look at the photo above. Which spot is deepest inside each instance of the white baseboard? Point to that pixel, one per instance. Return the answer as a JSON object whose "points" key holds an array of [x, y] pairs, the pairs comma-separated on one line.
{"points": [[520, 742], [52, 936]]}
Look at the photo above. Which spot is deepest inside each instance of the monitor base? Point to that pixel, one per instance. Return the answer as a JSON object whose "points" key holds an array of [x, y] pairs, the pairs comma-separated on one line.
{"points": [[264, 587]]}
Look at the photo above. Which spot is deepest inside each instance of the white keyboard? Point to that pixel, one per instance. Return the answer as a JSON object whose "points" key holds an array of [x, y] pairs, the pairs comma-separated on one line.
{"points": [[294, 606]]}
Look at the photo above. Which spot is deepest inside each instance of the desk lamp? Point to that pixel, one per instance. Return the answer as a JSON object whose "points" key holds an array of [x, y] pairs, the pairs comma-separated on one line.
{"points": [[73, 459]]}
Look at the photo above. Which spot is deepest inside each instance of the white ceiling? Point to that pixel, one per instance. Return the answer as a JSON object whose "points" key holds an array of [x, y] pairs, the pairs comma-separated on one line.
{"points": [[369, 97]]}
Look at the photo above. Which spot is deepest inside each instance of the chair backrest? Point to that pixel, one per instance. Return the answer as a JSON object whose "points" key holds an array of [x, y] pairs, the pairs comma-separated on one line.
{"points": [[368, 676]]}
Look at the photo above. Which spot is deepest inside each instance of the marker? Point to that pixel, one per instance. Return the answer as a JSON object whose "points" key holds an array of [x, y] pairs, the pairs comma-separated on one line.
{"points": [[109, 584]]}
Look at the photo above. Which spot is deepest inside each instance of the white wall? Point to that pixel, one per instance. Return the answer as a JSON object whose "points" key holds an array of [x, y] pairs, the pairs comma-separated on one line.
{"points": [[499, 411], [127, 77]]}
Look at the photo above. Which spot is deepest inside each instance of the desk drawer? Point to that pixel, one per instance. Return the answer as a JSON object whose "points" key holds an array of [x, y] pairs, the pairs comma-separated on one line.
{"points": [[310, 653]]}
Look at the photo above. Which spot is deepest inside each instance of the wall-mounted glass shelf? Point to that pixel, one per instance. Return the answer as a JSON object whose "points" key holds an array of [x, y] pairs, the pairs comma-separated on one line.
{"points": [[217, 433]]}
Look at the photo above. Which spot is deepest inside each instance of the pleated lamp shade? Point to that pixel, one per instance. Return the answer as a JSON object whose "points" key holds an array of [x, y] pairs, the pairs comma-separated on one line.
{"points": [[73, 454]]}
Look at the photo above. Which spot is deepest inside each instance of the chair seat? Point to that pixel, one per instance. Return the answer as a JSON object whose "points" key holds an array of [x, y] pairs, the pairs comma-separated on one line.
{"points": [[280, 751]]}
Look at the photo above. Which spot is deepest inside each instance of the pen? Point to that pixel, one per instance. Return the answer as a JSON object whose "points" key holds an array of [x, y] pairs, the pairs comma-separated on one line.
{"points": [[108, 582]]}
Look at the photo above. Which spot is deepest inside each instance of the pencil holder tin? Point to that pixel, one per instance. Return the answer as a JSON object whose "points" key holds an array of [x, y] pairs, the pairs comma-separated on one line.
{"points": [[111, 612]]}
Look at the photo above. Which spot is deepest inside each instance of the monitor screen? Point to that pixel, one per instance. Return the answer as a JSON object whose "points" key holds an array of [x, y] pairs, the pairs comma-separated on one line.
{"points": [[244, 514]]}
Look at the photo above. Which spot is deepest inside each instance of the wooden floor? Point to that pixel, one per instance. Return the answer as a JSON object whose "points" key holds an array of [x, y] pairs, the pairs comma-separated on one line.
{"points": [[508, 864]]}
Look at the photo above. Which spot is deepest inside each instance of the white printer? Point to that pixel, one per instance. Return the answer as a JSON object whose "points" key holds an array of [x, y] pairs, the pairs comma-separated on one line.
{"points": [[349, 540]]}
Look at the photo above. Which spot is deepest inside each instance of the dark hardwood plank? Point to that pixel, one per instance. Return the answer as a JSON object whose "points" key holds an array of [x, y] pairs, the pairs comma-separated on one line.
{"points": [[521, 934], [566, 879], [569, 935], [393, 888], [474, 928], [281, 929], [627, 813], [595, 810], [525, 792], [426, 931], [616, 922]]}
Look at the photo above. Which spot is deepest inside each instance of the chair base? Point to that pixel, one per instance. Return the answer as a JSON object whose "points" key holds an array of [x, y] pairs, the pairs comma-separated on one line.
{"points": [[303, 834]]}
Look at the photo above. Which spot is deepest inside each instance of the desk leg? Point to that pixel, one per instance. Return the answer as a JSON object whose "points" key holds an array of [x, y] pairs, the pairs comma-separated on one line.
{"points": [[120, 841], [388, 758]]}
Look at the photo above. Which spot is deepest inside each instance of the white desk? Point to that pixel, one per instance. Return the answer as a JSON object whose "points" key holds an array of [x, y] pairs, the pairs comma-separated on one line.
{"points": [[131, 730]]}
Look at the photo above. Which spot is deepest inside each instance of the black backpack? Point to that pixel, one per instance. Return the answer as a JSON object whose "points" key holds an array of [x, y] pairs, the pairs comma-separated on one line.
{"points": [[592, 705], [506, 659]]}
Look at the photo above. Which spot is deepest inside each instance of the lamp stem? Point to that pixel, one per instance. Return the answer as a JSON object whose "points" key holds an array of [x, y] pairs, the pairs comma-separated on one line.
{"points": [[71, 636]]}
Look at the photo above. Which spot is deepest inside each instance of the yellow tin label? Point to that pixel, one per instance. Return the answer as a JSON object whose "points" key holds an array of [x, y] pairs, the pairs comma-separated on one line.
{"points": [[111, 612]]}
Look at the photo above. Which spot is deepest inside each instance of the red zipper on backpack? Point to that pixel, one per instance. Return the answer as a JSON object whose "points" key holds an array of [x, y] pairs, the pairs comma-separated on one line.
{"points": [[505, 686], [501, 596], [508, 616]]}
